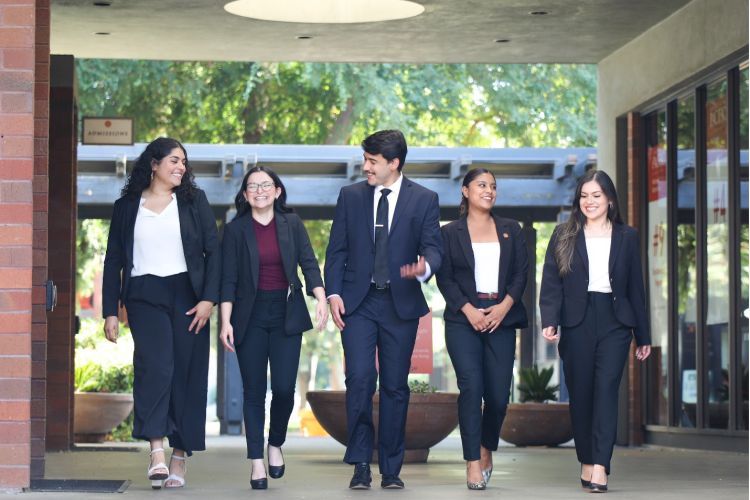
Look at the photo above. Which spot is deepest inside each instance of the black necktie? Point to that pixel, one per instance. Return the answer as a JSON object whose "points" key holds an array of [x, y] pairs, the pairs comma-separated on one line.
{"points": [[380, 269]]}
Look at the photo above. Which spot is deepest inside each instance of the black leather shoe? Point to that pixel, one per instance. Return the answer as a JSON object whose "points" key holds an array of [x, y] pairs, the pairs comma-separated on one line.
{"points": [[259, 484], [585, 484], [362, 477], [276, 471], [597, 488], [391, 482]]}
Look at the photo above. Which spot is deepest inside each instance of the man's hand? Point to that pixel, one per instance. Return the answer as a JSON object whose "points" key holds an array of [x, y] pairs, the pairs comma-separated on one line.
{"points": [[337, 310], [112, 328], [411, 271]]}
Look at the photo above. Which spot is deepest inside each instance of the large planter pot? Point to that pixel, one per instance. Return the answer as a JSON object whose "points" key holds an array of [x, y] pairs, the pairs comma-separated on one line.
{"points": [[97, 413], [537, 424], [429, 419]]}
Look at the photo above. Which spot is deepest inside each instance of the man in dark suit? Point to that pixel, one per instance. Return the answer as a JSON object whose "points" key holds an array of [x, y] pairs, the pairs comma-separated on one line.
{"points": [[384, 241]]}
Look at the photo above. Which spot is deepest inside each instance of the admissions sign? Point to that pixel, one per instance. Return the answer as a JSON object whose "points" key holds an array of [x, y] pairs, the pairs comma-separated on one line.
{"points": [[107, 131]]}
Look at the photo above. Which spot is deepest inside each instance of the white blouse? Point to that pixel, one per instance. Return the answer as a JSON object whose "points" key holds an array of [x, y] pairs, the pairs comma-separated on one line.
{"points": [[157, 244], [598, 252], [486, 266]]}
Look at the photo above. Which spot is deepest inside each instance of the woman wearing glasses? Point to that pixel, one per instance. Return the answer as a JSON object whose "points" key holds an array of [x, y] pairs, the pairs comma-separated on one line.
{"points": [[263, 313]]}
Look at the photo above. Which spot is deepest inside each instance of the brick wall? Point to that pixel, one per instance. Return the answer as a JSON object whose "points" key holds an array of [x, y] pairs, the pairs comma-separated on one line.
{"points": [[22, 187]]}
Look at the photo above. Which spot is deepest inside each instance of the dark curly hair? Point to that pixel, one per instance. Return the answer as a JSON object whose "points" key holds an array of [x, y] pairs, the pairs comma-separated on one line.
{"points": [[279, 204], [140, 177]]}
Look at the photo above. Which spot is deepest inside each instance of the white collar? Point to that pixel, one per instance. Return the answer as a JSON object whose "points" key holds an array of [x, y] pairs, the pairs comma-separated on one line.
{"points": [[395, 187]]}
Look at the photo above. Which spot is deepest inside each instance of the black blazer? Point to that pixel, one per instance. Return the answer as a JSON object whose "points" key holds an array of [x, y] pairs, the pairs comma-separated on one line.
{"points": [[350, 256], [200, 242], [456, 276], [239, 280], [563, 300]]}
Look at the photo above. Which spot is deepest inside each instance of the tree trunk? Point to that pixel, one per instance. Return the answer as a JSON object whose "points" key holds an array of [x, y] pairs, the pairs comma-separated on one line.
{"points": [[342, 128]]}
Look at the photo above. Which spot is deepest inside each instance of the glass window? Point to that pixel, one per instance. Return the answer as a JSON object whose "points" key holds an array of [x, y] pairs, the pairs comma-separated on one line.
{"points": [[717, 256], [744, 263], [656, 164], [686, 388]]}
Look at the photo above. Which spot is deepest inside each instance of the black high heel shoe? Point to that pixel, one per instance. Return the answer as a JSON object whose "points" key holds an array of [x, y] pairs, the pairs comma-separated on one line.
{"points": [[597, 488], [258, 484], [584, 483], [275, 471]]}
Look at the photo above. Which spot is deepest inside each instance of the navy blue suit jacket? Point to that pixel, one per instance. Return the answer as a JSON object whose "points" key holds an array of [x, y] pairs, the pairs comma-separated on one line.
{"points": [[456, 278], [415, 230], [563, 300]]}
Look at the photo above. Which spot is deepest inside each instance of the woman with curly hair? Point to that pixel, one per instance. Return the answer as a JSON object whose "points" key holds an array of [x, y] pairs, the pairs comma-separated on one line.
{"points": [[163, 265]]}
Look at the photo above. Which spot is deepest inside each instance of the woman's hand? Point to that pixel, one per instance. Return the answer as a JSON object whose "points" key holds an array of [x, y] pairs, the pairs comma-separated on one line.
{"points": [[112, 328], [550, 334], [227, 336], [202, 311], [495, 315], [642, 352], [476, 317], [321, 314]]}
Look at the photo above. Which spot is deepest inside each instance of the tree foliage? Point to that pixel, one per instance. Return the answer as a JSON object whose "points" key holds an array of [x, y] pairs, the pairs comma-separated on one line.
{"points": [[320, 103]]}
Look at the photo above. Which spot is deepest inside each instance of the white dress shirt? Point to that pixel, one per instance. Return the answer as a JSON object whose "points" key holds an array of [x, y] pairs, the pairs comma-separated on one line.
{"points": [[392, 199], [597, 249], [157, 242], [486, 266]]}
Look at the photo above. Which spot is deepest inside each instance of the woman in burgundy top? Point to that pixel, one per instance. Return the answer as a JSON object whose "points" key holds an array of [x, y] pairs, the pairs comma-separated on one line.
{"points": [[262, 248]]}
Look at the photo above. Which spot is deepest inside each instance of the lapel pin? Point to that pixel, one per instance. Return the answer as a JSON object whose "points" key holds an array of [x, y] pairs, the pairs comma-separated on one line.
{"points": [[505, 235]]}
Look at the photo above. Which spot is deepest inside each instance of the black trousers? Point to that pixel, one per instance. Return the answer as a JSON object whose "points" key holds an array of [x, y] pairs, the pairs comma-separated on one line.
{"points": [[484, 369], [375, 324], [264, 341], [170, 363], [593, 355]]}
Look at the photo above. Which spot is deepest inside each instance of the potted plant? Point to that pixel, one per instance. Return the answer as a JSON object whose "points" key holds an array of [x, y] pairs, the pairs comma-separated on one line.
{"points": [[431, 416], [535, 421], [103, 400], [104, 384]]}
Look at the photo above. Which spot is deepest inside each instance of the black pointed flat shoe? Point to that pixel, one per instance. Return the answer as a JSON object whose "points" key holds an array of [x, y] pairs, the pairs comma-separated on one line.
{"points": [[585, 484]]}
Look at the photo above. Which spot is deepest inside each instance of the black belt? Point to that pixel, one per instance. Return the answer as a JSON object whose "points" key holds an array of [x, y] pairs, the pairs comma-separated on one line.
{"points": [[376, 287]]}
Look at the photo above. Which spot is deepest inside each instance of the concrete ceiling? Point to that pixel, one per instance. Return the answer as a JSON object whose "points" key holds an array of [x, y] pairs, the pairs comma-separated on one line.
{"points": [[450, 31]]}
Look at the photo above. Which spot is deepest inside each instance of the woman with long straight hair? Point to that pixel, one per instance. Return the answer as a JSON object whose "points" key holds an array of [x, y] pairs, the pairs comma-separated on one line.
{"points": [[592, 288], [263, 310], [163, 264], [482, 278]]}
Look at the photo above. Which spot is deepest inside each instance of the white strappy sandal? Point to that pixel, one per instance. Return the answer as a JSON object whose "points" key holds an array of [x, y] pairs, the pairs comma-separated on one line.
{"points": [[180, 480], [158, 472]]}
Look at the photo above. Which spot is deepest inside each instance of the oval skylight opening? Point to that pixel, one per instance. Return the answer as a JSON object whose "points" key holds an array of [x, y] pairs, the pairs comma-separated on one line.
{"points": [[325, 11]]}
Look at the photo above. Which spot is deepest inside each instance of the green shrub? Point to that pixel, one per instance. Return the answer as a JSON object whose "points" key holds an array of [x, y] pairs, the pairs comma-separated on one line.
{"points": [[92, 377], [535, 386], [419, 387]]}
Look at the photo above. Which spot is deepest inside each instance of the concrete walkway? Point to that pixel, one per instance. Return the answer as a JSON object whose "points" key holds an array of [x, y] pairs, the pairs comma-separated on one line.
{"points": [[315, 472]]}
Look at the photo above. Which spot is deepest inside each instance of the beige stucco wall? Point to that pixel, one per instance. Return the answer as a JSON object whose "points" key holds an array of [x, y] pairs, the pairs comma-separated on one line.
{"points": [[689, 41]]}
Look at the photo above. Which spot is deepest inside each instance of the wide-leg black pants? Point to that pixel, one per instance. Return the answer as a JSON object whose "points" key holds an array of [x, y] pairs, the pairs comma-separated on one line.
{"points": [[170, 363], [593, 355], [484, 369], [266, 341]]}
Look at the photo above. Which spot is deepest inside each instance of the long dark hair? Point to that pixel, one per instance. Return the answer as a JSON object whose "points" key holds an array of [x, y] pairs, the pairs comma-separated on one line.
{"points": [[463, 207], [279, 204], [566, 235], [140, 177]]}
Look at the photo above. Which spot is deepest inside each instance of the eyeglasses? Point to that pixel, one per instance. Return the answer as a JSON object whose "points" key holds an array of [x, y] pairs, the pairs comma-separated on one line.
{"points": [[265, 186]]}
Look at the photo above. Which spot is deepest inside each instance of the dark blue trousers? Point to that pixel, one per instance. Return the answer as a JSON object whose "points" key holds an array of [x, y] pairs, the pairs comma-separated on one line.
{"points": [[484, 369], [264, 341], [170, 363], [375, 324], [593, 355]]}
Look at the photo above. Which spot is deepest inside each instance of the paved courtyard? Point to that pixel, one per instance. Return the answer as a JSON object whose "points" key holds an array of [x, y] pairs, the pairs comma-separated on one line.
{"points": [[315, 471]]}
